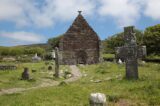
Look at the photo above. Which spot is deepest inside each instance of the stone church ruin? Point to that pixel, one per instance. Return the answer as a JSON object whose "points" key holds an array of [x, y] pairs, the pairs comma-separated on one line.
{"points": [[80, 44]]}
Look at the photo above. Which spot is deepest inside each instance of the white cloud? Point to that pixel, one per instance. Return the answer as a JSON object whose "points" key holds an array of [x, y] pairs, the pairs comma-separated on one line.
{"points": [[152, 8], [62, 10], [46, 13], [9, 9], [66, 10], [15, 11], [26, 37], [30, 12], [125, 12]]}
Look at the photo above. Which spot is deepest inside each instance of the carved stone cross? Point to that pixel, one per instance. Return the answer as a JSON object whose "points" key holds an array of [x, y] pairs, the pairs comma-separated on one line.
{"points": [[130, 52]]}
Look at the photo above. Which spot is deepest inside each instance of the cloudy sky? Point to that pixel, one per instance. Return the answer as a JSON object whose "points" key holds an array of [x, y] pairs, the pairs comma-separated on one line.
{"points": [[34, 21]]}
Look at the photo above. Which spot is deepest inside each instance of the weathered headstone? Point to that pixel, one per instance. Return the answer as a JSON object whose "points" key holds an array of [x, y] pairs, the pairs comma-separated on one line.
{"points": [[25, 74], [130, 52], [120, 61], [53, 54], [36, 58], [56, 62], [97, 99]]}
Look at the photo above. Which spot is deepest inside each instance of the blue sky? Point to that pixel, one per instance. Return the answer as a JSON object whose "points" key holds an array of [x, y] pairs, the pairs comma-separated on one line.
{"points": [[34, 21]]}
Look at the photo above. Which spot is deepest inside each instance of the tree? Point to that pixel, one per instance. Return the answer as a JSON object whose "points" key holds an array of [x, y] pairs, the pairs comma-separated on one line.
{"points": [[117, 41], [18, 51], [15, 51], [152, 39], [34, 50], [54, 42], [4, 51]]}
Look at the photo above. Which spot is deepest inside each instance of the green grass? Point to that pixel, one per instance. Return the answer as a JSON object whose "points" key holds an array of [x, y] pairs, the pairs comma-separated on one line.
{"points": [[152, 56], [108, 55], [11, 78], [142, 92]]}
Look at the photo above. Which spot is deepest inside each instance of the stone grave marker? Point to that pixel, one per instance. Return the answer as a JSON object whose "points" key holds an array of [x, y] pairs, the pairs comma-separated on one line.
{"points": [[130, 52], [25, 74], [97, 99], [36, 58], [56, 62]]}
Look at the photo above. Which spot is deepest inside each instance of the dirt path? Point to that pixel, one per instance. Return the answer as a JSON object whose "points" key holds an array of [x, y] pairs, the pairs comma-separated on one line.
{"points": [[76, 74]]}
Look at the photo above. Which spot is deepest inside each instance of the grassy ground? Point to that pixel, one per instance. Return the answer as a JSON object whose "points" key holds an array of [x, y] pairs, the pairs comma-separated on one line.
{"points": [[11, 79], [153, 57], [111, 81], [108, 55]]}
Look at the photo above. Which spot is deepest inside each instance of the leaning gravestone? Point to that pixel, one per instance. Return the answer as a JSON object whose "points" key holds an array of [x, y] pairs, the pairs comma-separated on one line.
{"points": [[56, 62], [25, 74], [130, 52], [97, 99]]}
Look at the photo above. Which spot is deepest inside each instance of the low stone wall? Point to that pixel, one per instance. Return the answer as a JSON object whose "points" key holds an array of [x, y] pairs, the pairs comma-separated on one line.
{"points": [[8, 67]]}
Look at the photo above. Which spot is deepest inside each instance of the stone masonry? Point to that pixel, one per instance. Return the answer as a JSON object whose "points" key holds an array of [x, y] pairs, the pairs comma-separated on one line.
{"points": [[80, 44]]}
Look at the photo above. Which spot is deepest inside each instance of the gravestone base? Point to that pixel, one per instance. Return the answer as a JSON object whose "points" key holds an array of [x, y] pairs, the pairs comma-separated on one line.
{"points": [[131, 69]]}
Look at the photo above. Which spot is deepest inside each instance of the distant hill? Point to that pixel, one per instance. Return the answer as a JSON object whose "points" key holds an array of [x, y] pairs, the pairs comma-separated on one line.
{"points": [[41, 45], [24, 49]]}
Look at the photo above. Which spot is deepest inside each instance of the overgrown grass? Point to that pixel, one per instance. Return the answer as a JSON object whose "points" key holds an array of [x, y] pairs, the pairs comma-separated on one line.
{"points": [[153, 56], [11, 78], [142, 92]]}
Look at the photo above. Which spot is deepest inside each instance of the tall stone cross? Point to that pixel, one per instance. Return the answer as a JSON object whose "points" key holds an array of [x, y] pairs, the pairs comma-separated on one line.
{"points": [[130, 52], [56, 62]]}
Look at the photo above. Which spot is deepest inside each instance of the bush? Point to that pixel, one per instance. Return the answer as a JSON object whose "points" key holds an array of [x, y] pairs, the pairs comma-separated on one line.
{"points": [[151, 39], [16, 51], [47, 56], [117, 40], [50, 68], [54, 42]]}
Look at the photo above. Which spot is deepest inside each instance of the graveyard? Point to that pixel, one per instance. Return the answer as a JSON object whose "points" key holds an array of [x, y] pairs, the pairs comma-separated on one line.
{"points": [[77, 68], [107, 78], [39, 73]]}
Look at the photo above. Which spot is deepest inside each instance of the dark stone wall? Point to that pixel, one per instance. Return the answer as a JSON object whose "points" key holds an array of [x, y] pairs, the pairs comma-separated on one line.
{"points": [[8, 67], [80, 44]]}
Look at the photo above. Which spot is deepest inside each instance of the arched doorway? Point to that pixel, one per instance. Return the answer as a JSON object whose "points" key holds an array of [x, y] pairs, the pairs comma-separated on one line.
{"points": [[81, 57]]}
